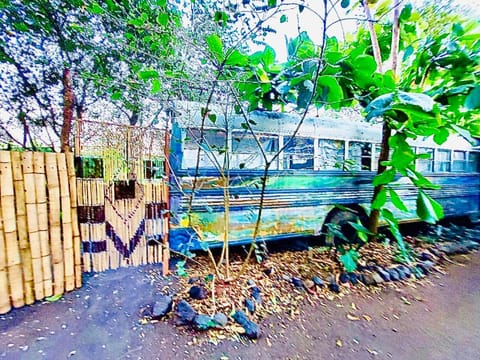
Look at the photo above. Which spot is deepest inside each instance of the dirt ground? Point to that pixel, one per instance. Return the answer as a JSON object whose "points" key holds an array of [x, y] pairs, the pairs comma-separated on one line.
{"points": [[434, 319]]}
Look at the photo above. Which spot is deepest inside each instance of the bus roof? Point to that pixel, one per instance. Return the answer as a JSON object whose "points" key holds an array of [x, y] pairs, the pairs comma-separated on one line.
{"points": [[341, 125]]}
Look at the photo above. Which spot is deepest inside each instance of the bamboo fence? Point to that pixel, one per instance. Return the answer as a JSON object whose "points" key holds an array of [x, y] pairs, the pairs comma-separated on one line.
{"points": [[39, 235]]}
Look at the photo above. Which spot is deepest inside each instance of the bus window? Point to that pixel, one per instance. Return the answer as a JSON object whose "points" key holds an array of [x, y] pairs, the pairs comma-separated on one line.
{"points": [[376, 155], [474, 162], [299, 153], [425, 165], [331, 154], [361, 154], [459, 163], [442, 160], [213, 148], [245, 151]]}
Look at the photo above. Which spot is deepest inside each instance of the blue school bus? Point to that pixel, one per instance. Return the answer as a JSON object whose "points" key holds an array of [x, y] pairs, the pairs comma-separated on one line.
{"points": [[216, 166]]}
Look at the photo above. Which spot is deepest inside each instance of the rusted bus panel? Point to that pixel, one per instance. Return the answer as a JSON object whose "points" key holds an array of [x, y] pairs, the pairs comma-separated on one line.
{"points": [[331, 160]]}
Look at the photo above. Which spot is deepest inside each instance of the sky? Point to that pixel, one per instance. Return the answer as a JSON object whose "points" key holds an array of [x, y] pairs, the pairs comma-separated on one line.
{"points": [[310, 22]]}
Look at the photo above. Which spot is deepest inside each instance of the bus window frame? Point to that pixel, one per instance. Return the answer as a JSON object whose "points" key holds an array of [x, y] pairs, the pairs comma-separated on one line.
{"points": [[259, 135]]}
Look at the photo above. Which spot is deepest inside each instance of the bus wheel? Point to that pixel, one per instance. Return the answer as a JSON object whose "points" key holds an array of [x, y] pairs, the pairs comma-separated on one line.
{"points": [[338, 230]]}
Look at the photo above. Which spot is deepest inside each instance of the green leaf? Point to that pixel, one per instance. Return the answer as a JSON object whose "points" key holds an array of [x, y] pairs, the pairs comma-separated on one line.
{"points": [[421, 181], [272, 3], [95, 8], [54, 298], [162, 3], [236, 58], [428, 209], [148, 74], [441, 135], [380, 199], [213, 118], [329, 90], [379, 106], [397, 201], [268, 56], [465, 133], [283, 19], [421, 100], [215, 46], [349, 260], [473, 99], [262, 75], [403, 155], [162, 19], [221, 17], [156, 86], [116, 95], [384, 178]]}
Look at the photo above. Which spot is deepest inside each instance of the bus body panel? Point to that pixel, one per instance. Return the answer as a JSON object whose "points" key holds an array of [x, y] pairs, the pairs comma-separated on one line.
{"points": [[297, 200]]}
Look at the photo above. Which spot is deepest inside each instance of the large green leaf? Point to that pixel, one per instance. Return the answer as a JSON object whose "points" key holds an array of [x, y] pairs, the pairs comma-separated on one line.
{"points": [[428, 209], [329, 90], [379, 106], [380, 199], [268, 56], [421, 100], [215, 46], [384, 178], [397, 201], [473, 99], [236, 58], [349, 260], [363, 68], [148, 74], [421, 181]]}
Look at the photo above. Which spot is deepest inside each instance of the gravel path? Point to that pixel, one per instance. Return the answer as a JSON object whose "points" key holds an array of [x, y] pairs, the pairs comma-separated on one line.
{"points": [[435, 319]]}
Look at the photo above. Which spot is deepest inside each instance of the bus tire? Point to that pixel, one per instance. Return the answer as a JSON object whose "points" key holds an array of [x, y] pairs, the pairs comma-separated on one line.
{"points": [[341, 219]]}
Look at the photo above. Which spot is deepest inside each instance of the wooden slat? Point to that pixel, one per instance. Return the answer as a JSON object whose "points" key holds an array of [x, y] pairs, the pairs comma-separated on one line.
{"points": [[54, 222], [32, 223], [42, 214], [77, 251], [7, 203], [22, 227], [5, 305]]}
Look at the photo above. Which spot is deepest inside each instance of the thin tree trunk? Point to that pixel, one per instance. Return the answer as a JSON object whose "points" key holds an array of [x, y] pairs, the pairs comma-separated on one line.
{"points": [[395, 36], [68, 109], [386, 131], [384, 154], [373, 36], [78, 132]]}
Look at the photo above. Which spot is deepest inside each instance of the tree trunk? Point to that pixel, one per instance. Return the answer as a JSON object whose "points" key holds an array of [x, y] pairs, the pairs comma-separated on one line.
{"points": [[384, 155], [68, 109], [395, 36], [373, 36], [386, 131]]}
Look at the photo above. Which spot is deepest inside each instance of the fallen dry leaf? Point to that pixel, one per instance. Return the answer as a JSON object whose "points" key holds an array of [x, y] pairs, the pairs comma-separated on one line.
{"points": [[339, 343], [352, 317], [366, 317]]}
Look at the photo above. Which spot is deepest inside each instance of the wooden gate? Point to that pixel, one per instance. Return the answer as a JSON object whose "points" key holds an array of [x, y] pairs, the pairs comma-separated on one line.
{"points": [[39, 234], [122, 223], [122, 196]]}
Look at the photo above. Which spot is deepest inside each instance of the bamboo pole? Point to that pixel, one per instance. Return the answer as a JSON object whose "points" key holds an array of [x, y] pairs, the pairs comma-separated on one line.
{"points": [[22, 227], [32, 223], [76, 238], [54, 222], [42, 214], [165, 218], [5, 305], [7, 203], [66, 221]]}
